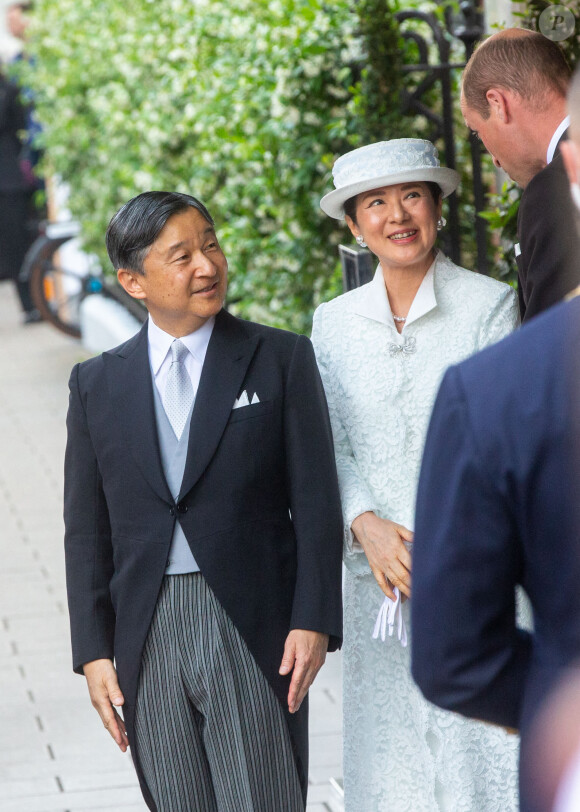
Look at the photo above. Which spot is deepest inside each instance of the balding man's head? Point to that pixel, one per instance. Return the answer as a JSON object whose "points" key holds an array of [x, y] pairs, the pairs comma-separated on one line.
{"points": [[515, 59]]}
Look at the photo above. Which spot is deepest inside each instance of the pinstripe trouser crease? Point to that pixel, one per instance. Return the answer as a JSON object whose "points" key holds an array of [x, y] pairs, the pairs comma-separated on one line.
{"points": [[211, 734]]}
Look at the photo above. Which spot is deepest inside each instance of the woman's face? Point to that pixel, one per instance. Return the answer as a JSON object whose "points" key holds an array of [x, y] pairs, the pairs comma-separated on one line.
{"points": [[399, 225]]}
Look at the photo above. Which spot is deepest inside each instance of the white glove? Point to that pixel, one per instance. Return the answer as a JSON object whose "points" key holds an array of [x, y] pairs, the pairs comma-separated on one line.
{"points": [[391, 613]]}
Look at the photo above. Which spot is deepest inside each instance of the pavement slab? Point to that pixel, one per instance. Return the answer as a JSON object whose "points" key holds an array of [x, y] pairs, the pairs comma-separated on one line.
{"points": [[55, 755]]}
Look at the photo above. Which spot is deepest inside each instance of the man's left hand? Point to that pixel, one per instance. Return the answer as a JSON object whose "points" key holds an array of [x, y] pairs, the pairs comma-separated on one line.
{"points": [[305, 652]]}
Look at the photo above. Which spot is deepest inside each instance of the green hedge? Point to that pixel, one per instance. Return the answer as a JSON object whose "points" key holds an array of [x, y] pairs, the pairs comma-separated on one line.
{"points": [[242, 103]]}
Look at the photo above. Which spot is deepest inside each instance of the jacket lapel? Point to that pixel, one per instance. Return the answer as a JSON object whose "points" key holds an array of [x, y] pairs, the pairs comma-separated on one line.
{"points": [[228, 356], [135, 410]]}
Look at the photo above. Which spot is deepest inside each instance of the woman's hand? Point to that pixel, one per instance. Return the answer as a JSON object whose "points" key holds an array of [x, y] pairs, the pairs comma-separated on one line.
{"points": [[389, 559]]}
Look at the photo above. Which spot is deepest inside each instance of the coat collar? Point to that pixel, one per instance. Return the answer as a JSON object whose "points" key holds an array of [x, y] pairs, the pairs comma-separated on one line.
{"points": [[228, 356], [373, 302], [133, 405]]}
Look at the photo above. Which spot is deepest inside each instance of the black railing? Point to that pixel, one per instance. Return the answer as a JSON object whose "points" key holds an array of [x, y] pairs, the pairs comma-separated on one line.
{"points": [[465, 27], [357, 266], [434, 38]]}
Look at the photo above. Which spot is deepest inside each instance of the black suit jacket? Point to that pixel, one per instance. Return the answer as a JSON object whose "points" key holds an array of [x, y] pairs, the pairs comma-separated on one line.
{"points": [[12, 121], [259, 503], [548, 266], [498, 504]]}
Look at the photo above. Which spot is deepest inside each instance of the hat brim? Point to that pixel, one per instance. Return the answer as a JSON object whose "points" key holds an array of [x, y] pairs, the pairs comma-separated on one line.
{"points": [[333, 203]]}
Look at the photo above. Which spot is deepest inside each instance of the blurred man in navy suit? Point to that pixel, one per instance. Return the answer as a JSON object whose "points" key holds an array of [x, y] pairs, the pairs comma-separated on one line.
{"points": [[499, 505]]}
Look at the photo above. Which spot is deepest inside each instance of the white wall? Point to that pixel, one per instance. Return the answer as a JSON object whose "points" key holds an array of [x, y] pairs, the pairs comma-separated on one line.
{"points": [[499, 12], [9, 46]]}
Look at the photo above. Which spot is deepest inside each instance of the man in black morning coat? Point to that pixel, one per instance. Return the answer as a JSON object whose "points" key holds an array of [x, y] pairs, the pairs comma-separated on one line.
{"points": [[257, 511], [514, 97]]}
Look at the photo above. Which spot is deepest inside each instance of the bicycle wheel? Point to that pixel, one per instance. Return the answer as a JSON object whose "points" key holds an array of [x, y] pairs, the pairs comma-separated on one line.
{"points": [[55, 290]]}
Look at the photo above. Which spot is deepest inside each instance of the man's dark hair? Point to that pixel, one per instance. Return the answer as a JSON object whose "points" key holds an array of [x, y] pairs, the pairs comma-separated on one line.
{"points": [[135, 227], [350, 204], [522, 61]]}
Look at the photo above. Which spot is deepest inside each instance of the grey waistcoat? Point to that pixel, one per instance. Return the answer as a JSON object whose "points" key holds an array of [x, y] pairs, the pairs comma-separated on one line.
{"points": [[173, 455]]}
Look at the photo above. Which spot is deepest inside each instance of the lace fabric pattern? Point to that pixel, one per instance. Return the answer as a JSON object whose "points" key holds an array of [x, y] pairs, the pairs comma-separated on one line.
{"points": [[400, 752]]}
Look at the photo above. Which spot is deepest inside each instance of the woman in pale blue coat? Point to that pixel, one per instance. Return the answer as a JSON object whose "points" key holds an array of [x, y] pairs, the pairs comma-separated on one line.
{"points": [[382, 350]]}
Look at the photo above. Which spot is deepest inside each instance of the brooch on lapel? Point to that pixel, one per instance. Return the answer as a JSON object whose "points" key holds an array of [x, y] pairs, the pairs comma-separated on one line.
{"points": [[407, 347]]}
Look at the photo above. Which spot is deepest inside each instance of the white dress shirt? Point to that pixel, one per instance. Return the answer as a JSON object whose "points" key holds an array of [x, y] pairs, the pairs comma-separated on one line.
{"points": [[160, 356], [562, 127]]}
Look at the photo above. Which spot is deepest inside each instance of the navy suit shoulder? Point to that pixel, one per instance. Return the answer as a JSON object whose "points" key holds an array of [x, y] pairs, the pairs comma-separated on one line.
{"points": [[519, 367], [497, 506]]}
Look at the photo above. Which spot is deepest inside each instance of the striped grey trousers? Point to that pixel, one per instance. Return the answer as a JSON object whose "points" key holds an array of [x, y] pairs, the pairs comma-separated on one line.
{"points": [[210, 732]]}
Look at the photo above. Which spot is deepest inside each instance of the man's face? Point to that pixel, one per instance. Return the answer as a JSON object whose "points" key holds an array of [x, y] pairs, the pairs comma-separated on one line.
{"points": [[500, 140], [185, 275], [16, 21]]}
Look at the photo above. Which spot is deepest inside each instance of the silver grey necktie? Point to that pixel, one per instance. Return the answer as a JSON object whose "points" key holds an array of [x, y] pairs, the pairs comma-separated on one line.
{"points": [[178, 395]]}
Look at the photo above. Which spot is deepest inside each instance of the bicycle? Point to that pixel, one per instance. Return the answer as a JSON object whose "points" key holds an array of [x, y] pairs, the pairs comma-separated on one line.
{"points": [[60, 277]]}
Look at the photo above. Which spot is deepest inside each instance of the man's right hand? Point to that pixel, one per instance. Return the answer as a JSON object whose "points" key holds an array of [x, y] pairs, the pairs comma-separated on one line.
{"points": [[389, 559], [106, 696]]}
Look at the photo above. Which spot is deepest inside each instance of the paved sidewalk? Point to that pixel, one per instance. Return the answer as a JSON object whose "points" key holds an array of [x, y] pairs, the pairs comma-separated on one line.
{"points": [[54, 754]]}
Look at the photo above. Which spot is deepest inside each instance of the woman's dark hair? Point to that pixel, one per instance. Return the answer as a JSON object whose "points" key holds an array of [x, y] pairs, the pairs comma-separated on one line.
{"points": [[135, 227], [350, 204]]}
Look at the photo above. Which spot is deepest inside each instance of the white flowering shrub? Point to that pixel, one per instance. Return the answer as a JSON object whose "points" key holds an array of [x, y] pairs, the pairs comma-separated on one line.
{"points": [[243, 103]]}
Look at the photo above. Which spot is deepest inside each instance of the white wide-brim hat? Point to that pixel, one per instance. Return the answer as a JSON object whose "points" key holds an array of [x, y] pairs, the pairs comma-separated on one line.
{"points": [[384, 164]]}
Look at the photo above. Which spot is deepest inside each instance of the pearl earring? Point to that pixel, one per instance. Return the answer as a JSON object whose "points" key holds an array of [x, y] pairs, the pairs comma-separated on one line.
{"points": [[360, 241], [441, 223]]}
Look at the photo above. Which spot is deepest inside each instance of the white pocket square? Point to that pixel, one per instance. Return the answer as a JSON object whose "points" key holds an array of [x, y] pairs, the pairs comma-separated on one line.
{"points": [[244, 400]]}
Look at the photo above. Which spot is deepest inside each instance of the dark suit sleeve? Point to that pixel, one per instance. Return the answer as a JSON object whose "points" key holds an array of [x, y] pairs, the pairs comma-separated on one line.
{"points": [[314, 498], [88, 551], [549, 264], [468, 655], [12, 116]]}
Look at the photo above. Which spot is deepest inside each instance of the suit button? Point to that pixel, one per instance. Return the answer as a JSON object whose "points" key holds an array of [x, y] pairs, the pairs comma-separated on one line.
{"points": [[172, 511], [181, 508]]}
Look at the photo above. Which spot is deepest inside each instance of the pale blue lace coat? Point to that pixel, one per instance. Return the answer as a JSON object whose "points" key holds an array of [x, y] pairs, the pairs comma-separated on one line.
{"points": [[401, 754]]}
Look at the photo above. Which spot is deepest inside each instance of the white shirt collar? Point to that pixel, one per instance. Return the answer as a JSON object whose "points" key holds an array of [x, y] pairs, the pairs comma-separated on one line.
{"points": [[374, 303], [160, 342], [562, 127], [425, 299]]}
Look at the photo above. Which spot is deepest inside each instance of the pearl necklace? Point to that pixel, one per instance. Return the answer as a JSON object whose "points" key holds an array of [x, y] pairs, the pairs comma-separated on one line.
{"points": [[400, 319]]}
